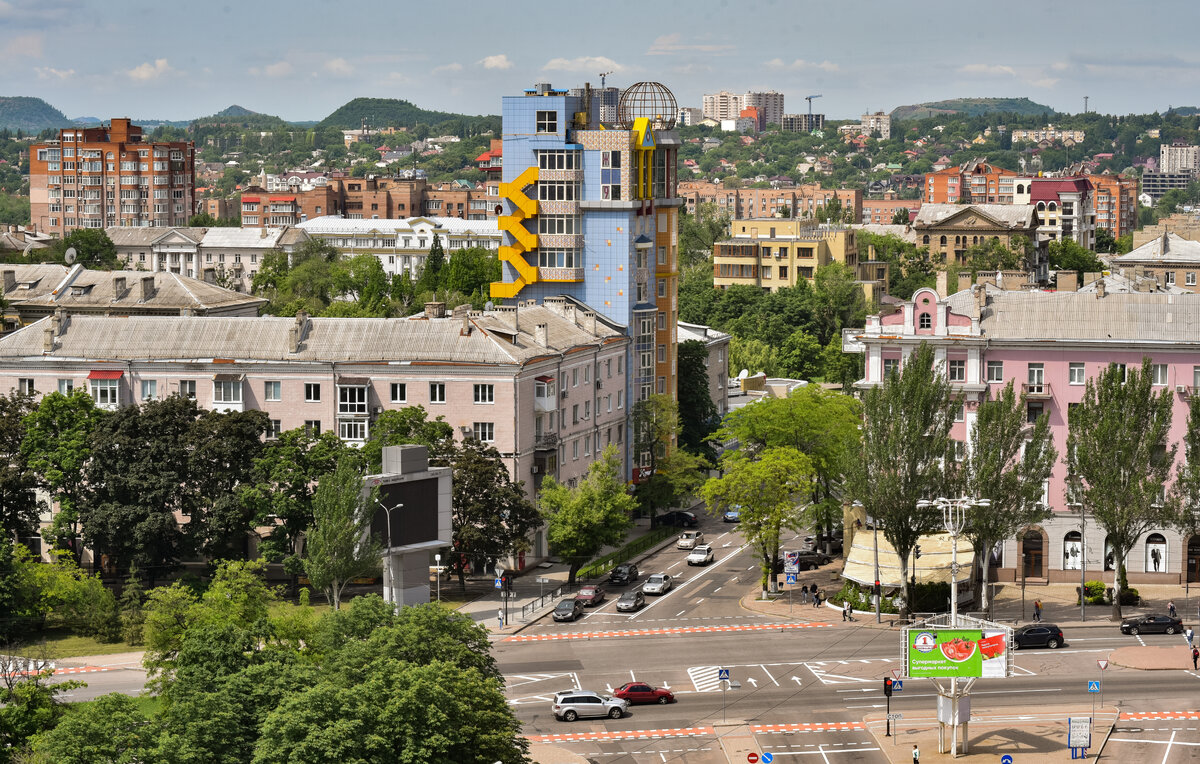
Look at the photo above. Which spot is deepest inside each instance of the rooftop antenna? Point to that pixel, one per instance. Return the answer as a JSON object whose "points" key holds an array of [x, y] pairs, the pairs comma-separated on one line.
{"points": [[602, 76]]}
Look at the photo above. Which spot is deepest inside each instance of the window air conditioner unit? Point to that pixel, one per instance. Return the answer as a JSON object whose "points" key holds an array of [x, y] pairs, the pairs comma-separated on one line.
{"points": [[564, 393], [1181, 389], [378, 410], [534, 469]]}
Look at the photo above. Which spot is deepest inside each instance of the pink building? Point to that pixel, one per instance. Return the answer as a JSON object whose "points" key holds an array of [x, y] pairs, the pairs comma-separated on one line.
{"points": [[1049, 344], [543, 384]]}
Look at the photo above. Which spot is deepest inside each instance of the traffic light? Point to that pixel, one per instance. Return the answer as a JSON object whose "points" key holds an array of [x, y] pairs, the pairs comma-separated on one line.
{"points": [[876, 589], [916, 551], [507, 581], [887, 688]]}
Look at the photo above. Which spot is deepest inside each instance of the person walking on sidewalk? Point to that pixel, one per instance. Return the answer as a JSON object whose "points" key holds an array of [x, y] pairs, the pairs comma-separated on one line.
{"points": [[1188, 635], [1195, 657], [1171, 609], [500, 617], [847, 613], [916, 754], [804, 594], [1037, 611]]}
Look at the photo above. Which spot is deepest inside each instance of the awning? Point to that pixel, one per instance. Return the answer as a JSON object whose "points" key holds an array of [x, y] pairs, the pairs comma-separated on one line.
{"points": [[249, 198], [933, 565], [354, 381], [544, 378], [105, 374], [228, 377]]}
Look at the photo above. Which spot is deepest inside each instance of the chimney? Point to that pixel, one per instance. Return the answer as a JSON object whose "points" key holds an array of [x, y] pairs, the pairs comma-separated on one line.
{"points": [[964, 280], [118, 286], [435, 310], [10, 280], [1068, 281], [297, 332], [466, 325], [981, 299], [147, 288], [1100, 289], [1165, 243], [1090, 278], [48, 336], [941, 283], [986, 277], [539, 335], [589, 321]]}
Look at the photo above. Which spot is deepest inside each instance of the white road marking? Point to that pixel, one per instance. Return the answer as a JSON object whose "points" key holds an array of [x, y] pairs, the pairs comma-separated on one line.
{"points": [[681, 612], [717, 589], [768, 673], [680, 584], [752, 681], [1166, 753]]}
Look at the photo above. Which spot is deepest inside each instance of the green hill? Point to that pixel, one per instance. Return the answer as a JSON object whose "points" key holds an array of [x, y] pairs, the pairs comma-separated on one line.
{"points": [[235, 111], [387, 112], [30, 114], [971, 107]]}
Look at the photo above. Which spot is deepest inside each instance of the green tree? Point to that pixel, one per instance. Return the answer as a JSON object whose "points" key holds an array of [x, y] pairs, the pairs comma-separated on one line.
{"points": [[362, 280], [93, 248], [1119, 457], [655, 424], [1007, 463], [698, 416], [18, 502], [56, 446], [767, 488], [900, 216], [583, 520], [112, 728], [905, 447], [408, 425], [222, 448], [1066, 255], [754, 356], [338, 546], [836, 301], [471, 271], [431, 275], [1183, 501], [699, 232], [491, 517], [133, 614]]}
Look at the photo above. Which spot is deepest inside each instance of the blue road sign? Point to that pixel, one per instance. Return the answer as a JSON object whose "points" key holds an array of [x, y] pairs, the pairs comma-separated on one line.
{"points": [[791, 578], [1093, 687], [768, 757], [1006, 759], [722, 675], [897, 685], [499, 583]]}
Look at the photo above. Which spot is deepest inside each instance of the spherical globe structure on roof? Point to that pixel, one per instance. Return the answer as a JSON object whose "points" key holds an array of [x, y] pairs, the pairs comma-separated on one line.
{"points": [[651, 100]]}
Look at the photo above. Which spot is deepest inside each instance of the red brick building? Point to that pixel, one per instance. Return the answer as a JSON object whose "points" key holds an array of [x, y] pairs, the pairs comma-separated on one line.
{"points": [[800, 201], [98, 177]]}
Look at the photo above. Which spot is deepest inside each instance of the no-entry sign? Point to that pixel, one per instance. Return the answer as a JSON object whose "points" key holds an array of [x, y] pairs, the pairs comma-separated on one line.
{"points": [[752, 757]]}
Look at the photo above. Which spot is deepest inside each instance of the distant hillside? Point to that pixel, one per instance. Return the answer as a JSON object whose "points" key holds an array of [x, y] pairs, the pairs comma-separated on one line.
{"points": [[1185, 111], [235, 111], [971, 107], [30, 114], [384, 112]]}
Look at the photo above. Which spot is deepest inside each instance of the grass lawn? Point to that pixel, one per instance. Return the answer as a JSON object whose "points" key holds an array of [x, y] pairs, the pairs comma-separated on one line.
{"points": [[61, 643]]}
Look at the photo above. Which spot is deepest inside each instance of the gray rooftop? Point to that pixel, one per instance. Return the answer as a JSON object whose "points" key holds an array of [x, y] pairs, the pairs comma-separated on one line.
{"points": [[1168, 248], [144, 236], [82, 288], [1009, 215]]}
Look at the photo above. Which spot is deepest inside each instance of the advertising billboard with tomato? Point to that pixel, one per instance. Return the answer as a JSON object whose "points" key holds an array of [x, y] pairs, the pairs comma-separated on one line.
{"points": [[946, 653]]}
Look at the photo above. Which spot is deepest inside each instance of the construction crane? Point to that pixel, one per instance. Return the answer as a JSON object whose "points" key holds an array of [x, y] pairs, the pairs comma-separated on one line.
{"points": [[811, 126], [602, 76]]}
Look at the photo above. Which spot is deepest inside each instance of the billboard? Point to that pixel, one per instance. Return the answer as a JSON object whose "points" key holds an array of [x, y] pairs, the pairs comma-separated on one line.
{"points": [[965, 653]]}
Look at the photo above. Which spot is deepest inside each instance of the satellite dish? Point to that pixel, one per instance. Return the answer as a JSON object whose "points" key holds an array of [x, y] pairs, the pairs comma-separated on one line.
{"points": [[743, 373], [70, 255], [489, 305]]}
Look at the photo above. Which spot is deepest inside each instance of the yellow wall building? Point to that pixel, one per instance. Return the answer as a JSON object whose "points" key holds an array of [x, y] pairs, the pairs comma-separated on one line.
{"points": [[775, 253]]}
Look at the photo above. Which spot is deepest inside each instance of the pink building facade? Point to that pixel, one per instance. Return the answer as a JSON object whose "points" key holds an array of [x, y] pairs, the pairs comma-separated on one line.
{"points": [[542, 384], [1049, 344]]}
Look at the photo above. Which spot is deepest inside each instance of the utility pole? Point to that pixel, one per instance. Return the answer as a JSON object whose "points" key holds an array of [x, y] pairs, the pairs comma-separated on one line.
{"points": [[1085, 100]]}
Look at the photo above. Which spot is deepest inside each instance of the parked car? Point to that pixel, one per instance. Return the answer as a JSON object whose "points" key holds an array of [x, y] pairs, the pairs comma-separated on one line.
{"points": [[568, 610], [1151, 624], [701, 555], [659, 583], [640, 692], [806, 560], [680, 519], [625, 573], [582, 704], [631, 600], [733, 514], [590, 595], [689, 539], [1038, 635]]}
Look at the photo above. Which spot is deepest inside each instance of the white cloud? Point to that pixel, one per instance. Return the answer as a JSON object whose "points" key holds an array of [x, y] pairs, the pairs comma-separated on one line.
{"points": [[339, 66], [454, 67], [1044, 82], [800, 65], [583, 64], [278, 69], [150, 71], [988, 69], [50, 73], [22, 47], [671, 43], [496, 62]]}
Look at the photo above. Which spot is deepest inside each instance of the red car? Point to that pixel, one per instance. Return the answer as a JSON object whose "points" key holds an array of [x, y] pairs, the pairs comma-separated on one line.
{"points": [[640, 692], [590, 595]]}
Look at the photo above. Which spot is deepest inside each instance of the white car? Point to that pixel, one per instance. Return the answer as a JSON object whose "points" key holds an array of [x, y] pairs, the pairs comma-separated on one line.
{"points": [[689, 540], [659, 583], [701, 555]]}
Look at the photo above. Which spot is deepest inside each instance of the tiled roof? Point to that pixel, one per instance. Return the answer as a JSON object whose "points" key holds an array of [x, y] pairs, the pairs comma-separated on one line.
{"points": [[1011, 215], [144, 236], [329, 224], [1157, 251], [242, 238], [171, 292], [33, 280]]}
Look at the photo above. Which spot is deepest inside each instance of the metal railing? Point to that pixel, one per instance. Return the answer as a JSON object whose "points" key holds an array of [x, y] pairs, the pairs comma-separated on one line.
{"points": [[530, 608]]}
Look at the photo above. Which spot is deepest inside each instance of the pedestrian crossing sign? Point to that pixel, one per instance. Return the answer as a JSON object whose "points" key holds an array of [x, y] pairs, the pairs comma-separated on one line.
{"points": [[722, 675], [791, 578], [1093, 687]]}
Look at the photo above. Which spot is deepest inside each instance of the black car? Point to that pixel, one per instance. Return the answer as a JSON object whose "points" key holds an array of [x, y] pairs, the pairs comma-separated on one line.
{"points": [[1152, 624], [568, 610], [1038, 635], [679, 519], [625, 573]]}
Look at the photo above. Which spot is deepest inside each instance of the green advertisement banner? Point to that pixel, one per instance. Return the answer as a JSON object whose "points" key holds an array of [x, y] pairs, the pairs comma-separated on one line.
{"points": [[947, 653]]}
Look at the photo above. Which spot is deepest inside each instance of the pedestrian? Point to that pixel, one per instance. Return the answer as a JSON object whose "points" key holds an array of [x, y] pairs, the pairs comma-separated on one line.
{"points": [[1195, 657], [500, 616], [916, 754], [804, 593], [1037, 611], [1171, 609], [1189, 634], [847, 613]]}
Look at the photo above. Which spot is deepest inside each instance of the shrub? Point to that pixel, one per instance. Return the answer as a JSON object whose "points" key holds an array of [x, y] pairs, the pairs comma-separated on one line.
{"points": [[1095, 591], [860, 598]]}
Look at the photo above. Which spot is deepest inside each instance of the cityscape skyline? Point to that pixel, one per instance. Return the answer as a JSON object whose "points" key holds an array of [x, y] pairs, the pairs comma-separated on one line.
{"points": [[289, 65]]}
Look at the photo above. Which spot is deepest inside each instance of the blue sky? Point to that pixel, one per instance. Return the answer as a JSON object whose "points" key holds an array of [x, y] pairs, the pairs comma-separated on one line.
{"points": [[302, 59]]}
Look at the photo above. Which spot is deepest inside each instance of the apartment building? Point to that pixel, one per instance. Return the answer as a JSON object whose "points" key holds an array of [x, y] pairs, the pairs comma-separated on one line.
{"points": [[776, 253], [769, 105], [974, 182], [1179, 157], [1170, 259], [949, 230], [1064, 208], [542, 384], [723, 105], [402, 245], [1115, 203], [1048, 135], [881, 211], [879, 122], [1157, 184], [799, 201], [1186, 225], [99, 177], [802, 123], [686, 116], [726, 105], [1049, 344]]}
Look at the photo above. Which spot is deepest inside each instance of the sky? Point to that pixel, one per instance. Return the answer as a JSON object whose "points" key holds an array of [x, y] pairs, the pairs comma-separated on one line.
{"points": [[301, 59]]}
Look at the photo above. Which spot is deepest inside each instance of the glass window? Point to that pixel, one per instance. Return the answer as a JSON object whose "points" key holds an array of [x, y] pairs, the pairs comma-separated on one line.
{"points": [[67, 386], [227, 391], [1189, 278], [399, 392], [547, 121], [890, 366], [1158, 373], [312, 426], [1170, 278], [187, 388], [437, 392], [25, 386], [274, 427], [485, 432], [925, 321], [104, 392], [1075, 374], [273, 391], [956, 371], [352, 429], [995, 371], [352, 400], [312, 392], [485, 393]]}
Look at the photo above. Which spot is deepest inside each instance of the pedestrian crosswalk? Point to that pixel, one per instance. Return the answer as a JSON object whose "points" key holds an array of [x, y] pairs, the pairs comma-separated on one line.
{"points": [[704, 678], [843, 672], [617, 633]]}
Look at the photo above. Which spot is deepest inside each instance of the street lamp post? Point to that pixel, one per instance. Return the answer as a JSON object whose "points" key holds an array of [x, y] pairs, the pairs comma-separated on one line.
{"points": [[388, 569], [877, 591], [1082, 559], [437, 561]]}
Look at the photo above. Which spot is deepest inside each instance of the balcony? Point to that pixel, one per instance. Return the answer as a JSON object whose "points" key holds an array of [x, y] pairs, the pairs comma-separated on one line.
{"points": [[560, 274], [1037, 391], [545, 404], [545, 441]]}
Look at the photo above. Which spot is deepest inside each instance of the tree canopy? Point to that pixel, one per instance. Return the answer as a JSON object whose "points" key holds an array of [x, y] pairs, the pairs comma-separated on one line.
{"points": [[583, 520]]}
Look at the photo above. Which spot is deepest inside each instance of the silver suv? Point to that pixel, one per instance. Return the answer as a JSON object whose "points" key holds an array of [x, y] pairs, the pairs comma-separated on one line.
{"points": [[570, 705]]}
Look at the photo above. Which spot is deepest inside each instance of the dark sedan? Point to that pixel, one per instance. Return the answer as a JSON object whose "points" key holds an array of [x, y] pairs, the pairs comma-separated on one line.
{"points": [[679, 519], [1038, 635], [631, 600], [1152, 624], [625, 573], [568, 610]]}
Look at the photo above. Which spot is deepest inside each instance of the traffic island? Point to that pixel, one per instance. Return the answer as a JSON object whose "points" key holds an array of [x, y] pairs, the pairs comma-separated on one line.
{"points": [[1040, 737], [1145, 658]]}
